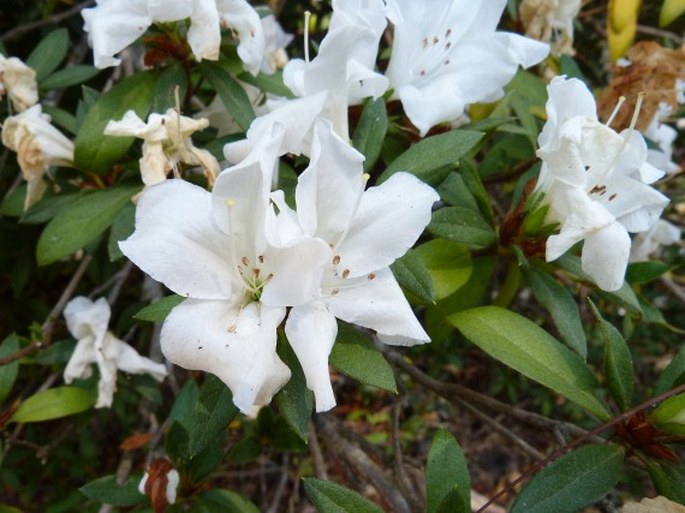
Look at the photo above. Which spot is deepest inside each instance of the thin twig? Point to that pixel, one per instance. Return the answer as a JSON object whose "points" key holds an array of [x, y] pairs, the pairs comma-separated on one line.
{"points": [[280, 487], [51, 20], [666, 34], [56, 311], [317, 456], [672, 286]]}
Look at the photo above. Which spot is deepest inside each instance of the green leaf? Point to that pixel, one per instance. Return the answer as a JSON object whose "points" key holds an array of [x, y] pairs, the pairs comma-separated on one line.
{"points": [[230, 91], [81, 222], [530, 350], [122, 227], [356, 356], [329, 497], [475, 185], [49, 53], [452, 503], [158, 311], [449, 265], [57, 353], [412, 274], [52, 404], [295, 400], [9, 509], [557, 300], [95, 151], [62, 118], [212, 413], [8, 373], [226, 501], [48, 208], [618, 364], [458, 224], [69, 77], [446, 472], [272, 83], [672, 375], [370, 132], [573, 481], [169, 79], [668, 479], [454, 191], [107, 491], [644, 272], [432, 153], [669, 416]]}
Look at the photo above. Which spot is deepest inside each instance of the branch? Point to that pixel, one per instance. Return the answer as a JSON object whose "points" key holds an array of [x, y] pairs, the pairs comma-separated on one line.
{"points": [[51, 20]]}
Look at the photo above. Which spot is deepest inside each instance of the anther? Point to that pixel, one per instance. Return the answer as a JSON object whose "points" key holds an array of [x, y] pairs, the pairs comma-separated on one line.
{"points": [[370, 276], [261, 259], [245, 261], [612, 197], [232, 328], [336, 259], [345, 273], [334, 292]]}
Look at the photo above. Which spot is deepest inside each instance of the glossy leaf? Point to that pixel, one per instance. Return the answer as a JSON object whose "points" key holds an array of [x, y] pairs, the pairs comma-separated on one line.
{"points": [[8, 373], [573, 481], [432, 153], [95, 151], [295, 400], [370, 132], [644, 272], [53, 403], [412, 274], [49, 53], [669, 416], [107, 491], [458, 224], [618, 364], [330, 497], [158, 311], [230, 91], [446, 472], [530, 350], [449, 265], [557, 300], [668, 479], [226, 501], [356, 356], [211, 414], [69, 76], [673, 374], [80, 222]]}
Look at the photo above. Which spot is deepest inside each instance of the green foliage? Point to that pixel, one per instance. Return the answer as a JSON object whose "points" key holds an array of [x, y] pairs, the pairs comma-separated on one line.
{"points": [[330, 497], [8, 372], [370, 132], [668, 479], [49, 53], [458, 224], [232, 94], [448, 485], [158, 311], [225, 501], [673, 374], [412, 274], [69, 76], [53, 403], [295, 401], [107, 491], [669, 416]]}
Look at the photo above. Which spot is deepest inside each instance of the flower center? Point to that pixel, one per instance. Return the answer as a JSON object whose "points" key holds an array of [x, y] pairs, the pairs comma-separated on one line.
{"points": [[435, 55]]}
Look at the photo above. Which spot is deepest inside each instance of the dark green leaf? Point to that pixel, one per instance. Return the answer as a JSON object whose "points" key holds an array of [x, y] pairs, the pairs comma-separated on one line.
{"points": [[569, 67], [48, 208], [618, 364], [458, 224], [95, 151], [672, 375], [370, 132], [453, 191], [412, 274], [475, 185], [230, 91], [62, 118], [573, 481], [356, 356], [668, 479], [122, 227], [669, 416], [158, 311], [69, 77], [57, 353], [169, 79], [272, 83], [446, 472], [49, 53], [530, 350], [81, 222], [557, 300], [330, 497], [107, 491], [52, 404], [644, 272], [211, 415], [226, 501], [8, 373], [432, 153], [295, 400]]}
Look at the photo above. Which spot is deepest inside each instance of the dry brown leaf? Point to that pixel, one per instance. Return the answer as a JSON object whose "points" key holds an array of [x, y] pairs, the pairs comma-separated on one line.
{"points": [[656, 505], [654, 71]]}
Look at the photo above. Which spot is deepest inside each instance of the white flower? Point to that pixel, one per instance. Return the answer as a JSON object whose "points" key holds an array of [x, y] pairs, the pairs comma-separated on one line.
{"points": [[112, 25], [87, 322], [167, 142], [595, 182], [367, 231], [219, 117], [212, 248], [662, 233], [19, 82], [663, 136], [344, 66], [39, 145], [551, 20], [275, 41], [446, 55]]}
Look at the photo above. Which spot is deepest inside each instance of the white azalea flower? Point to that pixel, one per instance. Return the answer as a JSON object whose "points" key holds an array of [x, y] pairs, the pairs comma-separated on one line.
{"points": [[19, 82], [344, 66], [645, 244], [551, 20], [87, 322], [446, 54], [595, 183], [212, 248], [663, 136], [167, 143], [367, 231], [112, 25], [275, 41], [39, 145]]}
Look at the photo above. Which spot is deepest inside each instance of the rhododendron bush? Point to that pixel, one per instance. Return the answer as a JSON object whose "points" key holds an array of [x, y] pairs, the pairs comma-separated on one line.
{"points": [[342, 256]]}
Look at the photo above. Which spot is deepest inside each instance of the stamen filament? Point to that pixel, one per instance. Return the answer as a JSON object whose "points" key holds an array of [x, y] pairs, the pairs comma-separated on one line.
{"points": [[307, 16], [638, 106], [621, 101]]}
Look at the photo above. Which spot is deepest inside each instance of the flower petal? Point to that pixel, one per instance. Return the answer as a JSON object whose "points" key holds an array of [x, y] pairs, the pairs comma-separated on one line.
{"points": [[605, 256], [238, 345], [243, 20], [177, 243], [128, 360], [86, 318], [79, 364], [204, 33], [311, 330]]}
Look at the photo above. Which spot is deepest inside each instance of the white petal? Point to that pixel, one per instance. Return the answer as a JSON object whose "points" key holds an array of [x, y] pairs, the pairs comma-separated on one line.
{"points": [[169, 10], [177, 243], [524, 51], [311, 330], [86, 318], [79, 364], [238, 345], [130, 124], [390, 219], [567, 98], [243, 20], [128, 360], [605, 256], [378, 304], [204, 34]]}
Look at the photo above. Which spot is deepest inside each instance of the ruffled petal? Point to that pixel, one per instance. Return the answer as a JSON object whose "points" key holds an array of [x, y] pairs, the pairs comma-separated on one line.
{"points": [[204, 34], [390, 219], [128, 360], [567, 98], [238, 345], [605, 256], [243, 20], [79, 364], [177, 243], [311, 330], [86, 318], [377, 302]]}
